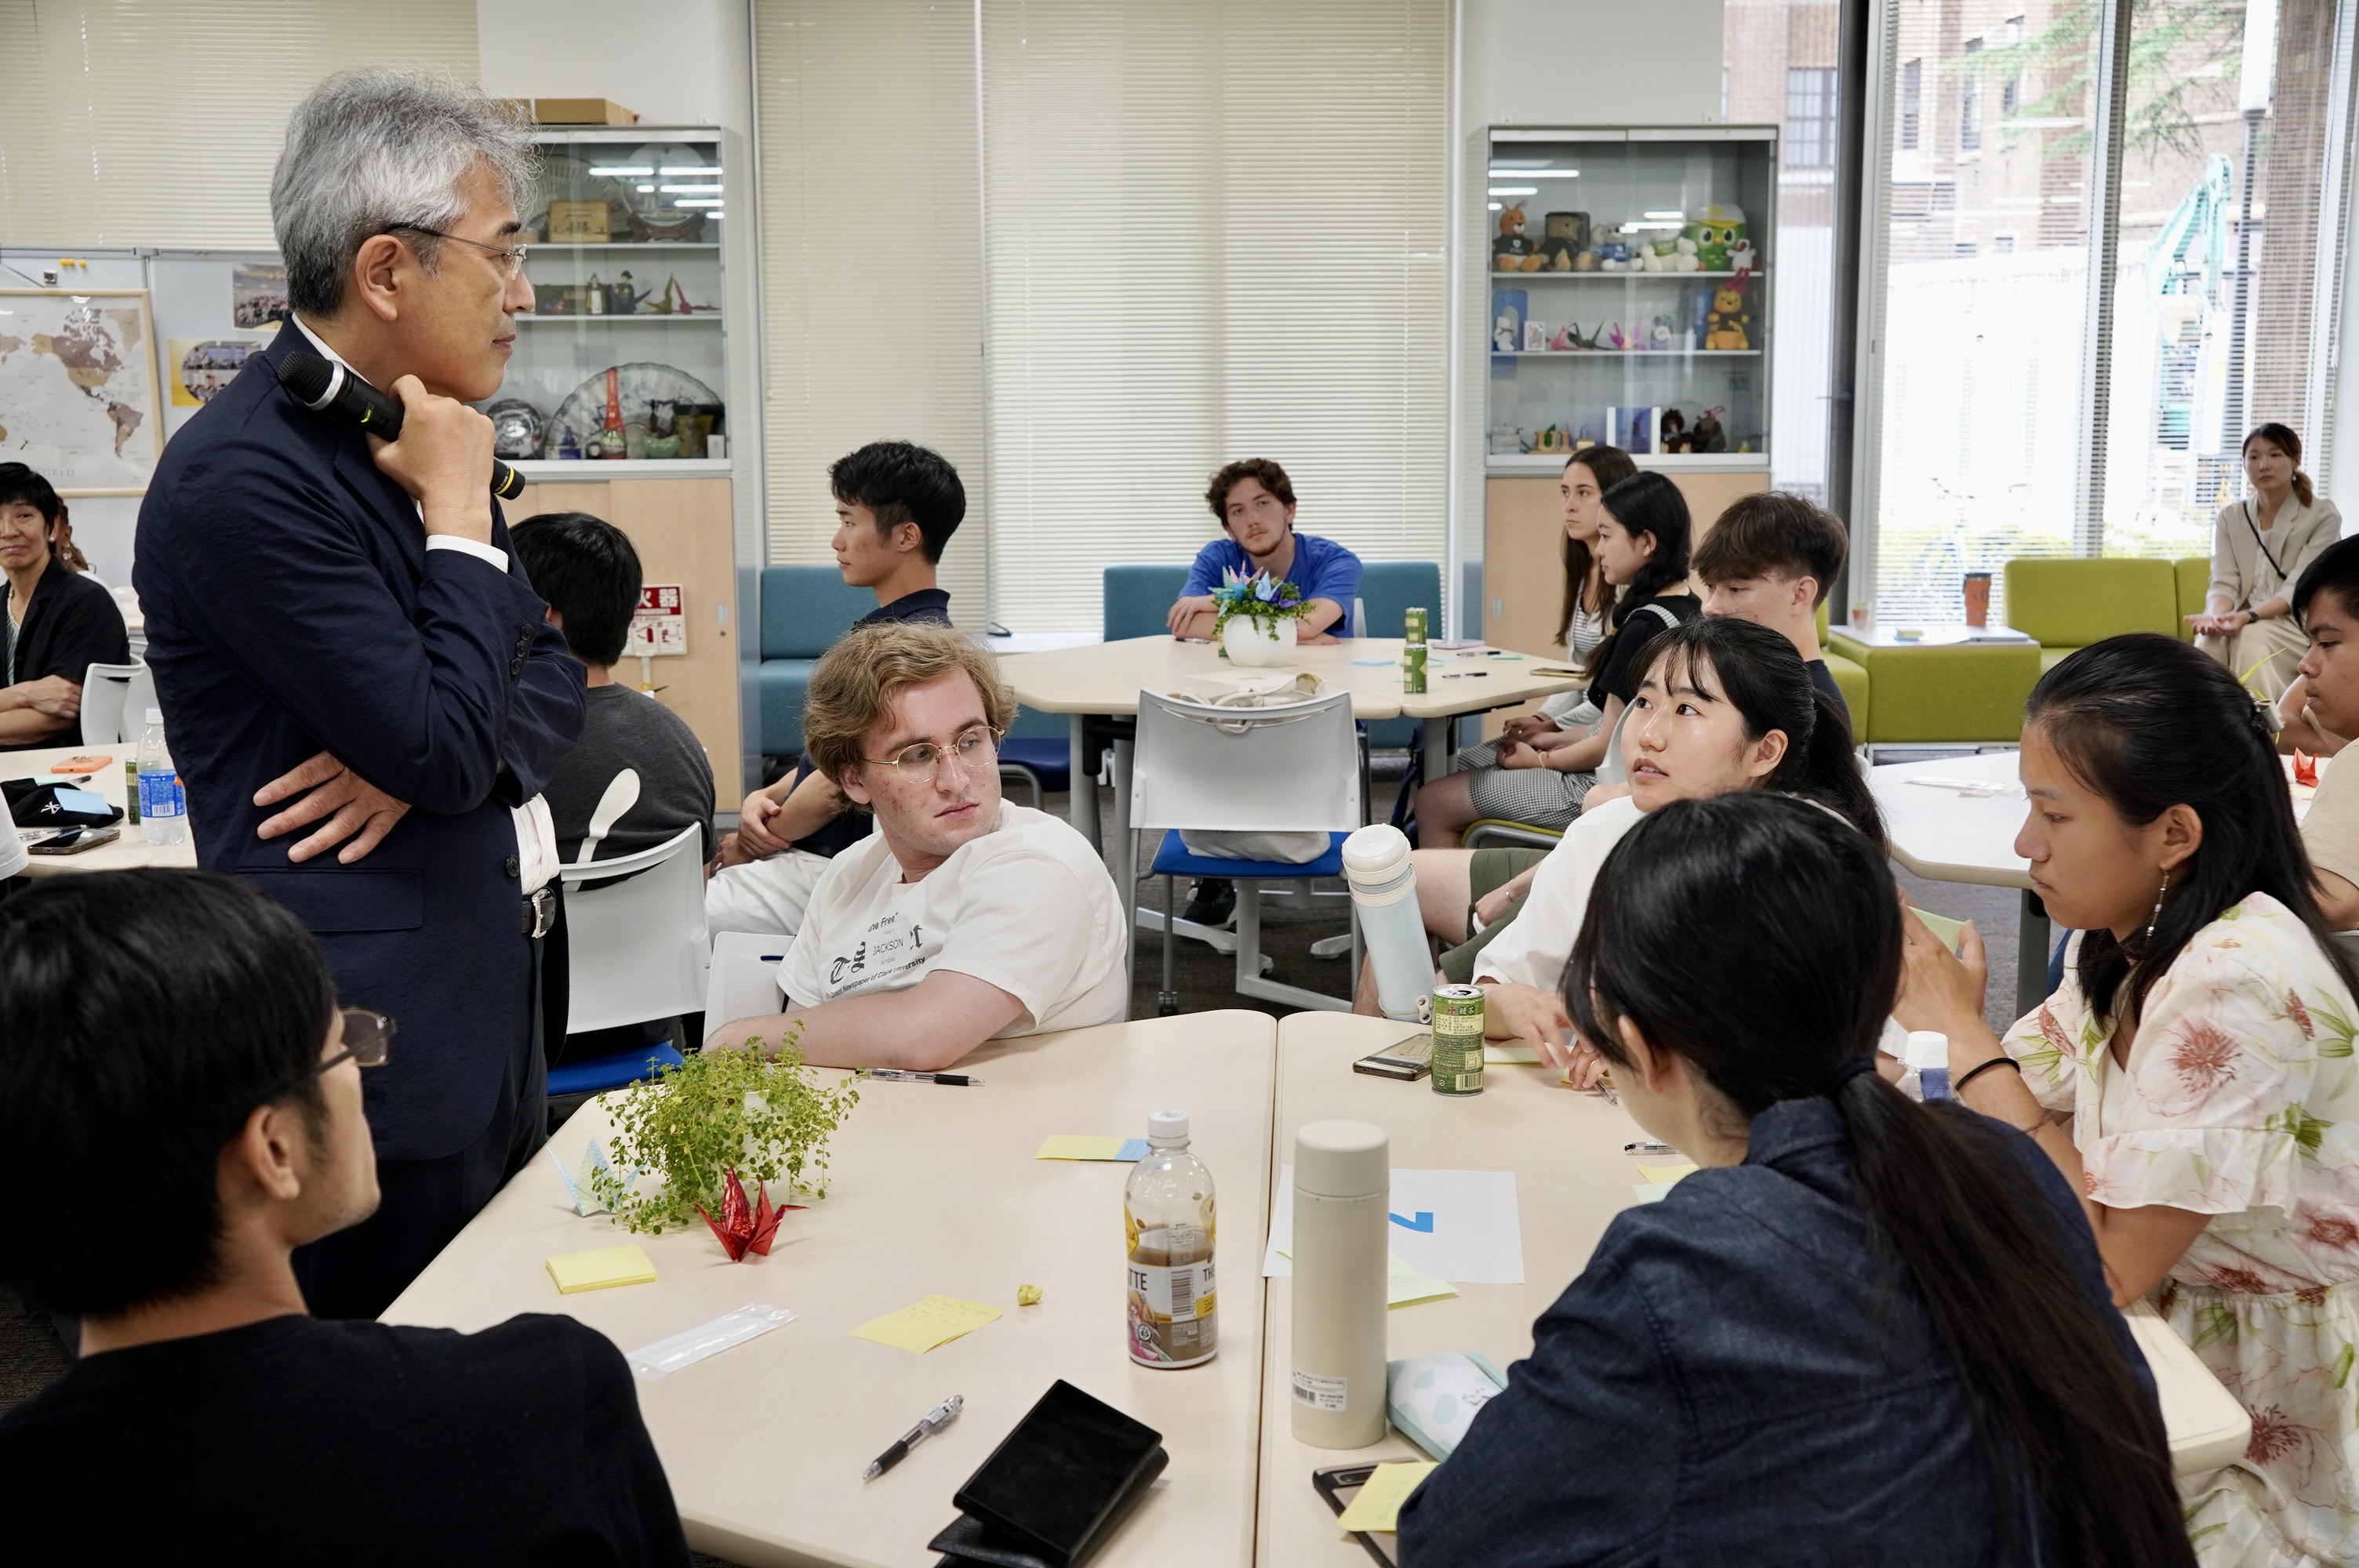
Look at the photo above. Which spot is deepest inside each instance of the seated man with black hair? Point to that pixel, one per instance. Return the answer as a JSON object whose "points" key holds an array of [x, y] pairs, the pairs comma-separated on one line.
{"points": [[897, 505], [181, 1105], [587, 571], [2326, 606], [1771, 558]]}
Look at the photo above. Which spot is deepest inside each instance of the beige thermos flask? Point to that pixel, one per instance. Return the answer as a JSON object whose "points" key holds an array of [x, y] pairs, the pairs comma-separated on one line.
{"points": [[1343, 1188]]}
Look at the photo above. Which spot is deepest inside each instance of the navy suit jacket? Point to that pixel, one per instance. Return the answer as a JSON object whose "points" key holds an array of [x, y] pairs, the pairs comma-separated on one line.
{"points": [[292, 607], [1735, 1378]]}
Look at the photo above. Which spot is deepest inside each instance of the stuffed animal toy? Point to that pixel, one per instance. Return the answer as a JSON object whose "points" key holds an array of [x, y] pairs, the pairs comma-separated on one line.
{"points": [[1586, 260], [1741, 259], [1565, 236], [1707, 435], [1715, 227], [1724, 328], [1686, 260], [1658, 334], [1674, 432], [1512, 251]]}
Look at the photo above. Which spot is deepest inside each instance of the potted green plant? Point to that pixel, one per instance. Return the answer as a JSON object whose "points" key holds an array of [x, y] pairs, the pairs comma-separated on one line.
{"points": [[1256, 621], [719, 1110]]}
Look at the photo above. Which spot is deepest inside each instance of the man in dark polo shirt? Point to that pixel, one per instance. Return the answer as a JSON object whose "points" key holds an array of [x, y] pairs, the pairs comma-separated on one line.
{"points": [[897, 506]]}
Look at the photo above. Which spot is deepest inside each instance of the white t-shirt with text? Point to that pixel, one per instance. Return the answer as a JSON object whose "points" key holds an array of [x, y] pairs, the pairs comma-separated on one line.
{"points": [[1027, 907]]}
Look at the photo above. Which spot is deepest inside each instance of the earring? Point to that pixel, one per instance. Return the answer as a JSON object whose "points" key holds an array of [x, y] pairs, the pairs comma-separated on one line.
{"points": [[2157, 909]]}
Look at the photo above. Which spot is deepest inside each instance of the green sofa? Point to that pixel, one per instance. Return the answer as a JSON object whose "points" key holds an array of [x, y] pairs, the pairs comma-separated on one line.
{"points": [[1851, 676], [2069, 604]]}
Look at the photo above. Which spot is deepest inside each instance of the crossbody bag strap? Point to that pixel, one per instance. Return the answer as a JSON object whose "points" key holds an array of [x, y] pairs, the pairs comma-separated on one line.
{"points": [[2262, 543]]}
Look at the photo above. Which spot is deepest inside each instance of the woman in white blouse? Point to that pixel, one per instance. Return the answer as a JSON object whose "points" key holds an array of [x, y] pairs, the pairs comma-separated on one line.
{"points": [[2259, 547]]}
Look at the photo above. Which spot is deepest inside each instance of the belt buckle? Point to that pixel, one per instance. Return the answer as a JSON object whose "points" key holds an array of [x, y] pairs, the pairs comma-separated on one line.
{"points": [[541, 906]]}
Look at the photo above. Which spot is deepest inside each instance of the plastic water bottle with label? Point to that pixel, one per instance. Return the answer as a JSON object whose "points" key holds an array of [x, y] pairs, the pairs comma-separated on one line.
{"points": [[1168, 1214], [163, 809]]}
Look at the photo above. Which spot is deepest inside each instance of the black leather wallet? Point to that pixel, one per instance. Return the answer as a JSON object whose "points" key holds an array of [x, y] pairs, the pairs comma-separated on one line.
{"points": [[1055, 1488]]}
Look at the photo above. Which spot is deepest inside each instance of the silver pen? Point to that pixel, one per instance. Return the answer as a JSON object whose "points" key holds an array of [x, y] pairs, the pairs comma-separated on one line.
{"points": [[940, 1416], [902, 1075]]}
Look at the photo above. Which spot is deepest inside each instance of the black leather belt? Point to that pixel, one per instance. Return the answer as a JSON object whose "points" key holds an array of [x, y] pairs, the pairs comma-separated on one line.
{"points": [[539, 912]]}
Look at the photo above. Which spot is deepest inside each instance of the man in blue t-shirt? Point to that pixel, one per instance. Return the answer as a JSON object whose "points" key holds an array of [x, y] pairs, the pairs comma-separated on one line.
{"points": [[1255, 502]]}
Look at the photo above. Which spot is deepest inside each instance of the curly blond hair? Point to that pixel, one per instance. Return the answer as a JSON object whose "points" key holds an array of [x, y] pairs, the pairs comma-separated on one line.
{"points": [[857, 681]]}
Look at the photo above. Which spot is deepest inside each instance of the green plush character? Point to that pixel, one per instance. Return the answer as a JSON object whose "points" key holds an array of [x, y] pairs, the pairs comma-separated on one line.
{"points": [[1715, 227]]}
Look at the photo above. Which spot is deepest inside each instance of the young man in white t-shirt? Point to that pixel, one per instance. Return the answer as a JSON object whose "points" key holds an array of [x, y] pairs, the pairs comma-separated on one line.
{"points": [[964, 917]]}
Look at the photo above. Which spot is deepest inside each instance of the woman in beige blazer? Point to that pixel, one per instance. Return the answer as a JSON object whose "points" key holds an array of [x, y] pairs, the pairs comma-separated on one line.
{"points": [[2259, 547]]}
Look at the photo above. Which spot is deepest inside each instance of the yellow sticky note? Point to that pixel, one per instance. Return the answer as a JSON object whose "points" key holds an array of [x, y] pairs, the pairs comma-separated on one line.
{"points": [[1407, 1283], [1941, 925], [598, 1269], [1378, 1505], [1665, 1174], [1510, 1056], [937, 1320], [1065, 1146]]}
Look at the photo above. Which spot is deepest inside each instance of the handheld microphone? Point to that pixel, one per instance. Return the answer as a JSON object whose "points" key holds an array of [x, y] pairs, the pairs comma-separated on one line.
{"points": [[326, 388]]}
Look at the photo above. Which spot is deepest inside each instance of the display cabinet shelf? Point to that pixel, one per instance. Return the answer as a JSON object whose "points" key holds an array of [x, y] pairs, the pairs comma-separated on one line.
{"points": [[699, 318]]}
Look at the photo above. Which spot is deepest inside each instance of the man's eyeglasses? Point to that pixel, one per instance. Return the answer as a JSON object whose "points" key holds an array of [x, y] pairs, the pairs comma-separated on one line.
{"points": [[511, 256], [368, 1036], [919, 764]]}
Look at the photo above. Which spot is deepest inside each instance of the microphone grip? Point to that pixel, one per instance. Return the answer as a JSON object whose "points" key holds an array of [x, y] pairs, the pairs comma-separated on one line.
{"points": [[381, 414]]}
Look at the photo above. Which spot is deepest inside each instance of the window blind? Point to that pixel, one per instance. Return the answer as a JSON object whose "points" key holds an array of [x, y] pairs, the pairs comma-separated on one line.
{"points": [[158, 122], [871, 259], [1211, 231]]}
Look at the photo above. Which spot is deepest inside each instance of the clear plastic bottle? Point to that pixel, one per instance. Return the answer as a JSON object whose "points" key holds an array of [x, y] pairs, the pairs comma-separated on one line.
{"points": [[1928, 1058], [1168, 1214], [163, 808]]}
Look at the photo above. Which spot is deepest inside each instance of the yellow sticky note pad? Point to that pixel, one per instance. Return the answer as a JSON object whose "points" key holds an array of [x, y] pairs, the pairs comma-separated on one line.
{"points": [[1065, 1146], [1510, 1056], [937, 1320], [599, 1269], [1665, 1174], [1378, 1505], [1941, 925], [1407, 1283]]}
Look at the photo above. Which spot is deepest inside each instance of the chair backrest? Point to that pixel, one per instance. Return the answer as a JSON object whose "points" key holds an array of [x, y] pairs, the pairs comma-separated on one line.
{"points": [[1470, 600], [745, 978], [114, 703], [805, 609], [1138, 599], [2071, 603], [637, 947], [1273, 770], [1388, 588]]}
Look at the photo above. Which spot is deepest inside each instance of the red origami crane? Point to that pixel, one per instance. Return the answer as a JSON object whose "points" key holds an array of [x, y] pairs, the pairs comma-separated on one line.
{"points": [[2305, 768], [744, 1229]]}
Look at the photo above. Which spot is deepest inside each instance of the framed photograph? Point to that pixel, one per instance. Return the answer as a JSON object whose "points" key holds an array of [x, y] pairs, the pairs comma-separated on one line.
{"points": [[578, 223], [257, 295], [79, 401], [201, 368]]}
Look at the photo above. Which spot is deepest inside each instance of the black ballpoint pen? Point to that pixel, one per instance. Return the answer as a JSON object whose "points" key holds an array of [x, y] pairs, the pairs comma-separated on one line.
{"points": [[940, 1416], [901, 1075]]}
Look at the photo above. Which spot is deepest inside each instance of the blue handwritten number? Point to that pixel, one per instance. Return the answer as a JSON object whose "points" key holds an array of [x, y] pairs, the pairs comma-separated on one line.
{"points": [[1422, 1224]]}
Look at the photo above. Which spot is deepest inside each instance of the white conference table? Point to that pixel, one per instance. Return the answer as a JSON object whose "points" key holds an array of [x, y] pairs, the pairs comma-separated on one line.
{"points": [[1103, 680], [129, 851], [934, 1191], [1950, 836]]}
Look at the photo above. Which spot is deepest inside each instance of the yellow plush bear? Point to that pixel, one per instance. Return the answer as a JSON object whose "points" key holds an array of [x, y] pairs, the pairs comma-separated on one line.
{"points": [[1724, 328]]}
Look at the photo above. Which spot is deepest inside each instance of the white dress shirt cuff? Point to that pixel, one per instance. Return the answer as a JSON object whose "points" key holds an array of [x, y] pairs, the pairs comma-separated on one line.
{"points": [[536, 833], [496, 559]]}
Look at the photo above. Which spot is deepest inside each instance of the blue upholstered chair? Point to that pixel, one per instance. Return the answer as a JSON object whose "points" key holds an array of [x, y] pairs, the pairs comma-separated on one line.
{"points": [[804, 610], [1387, 588], [1138, 599]]}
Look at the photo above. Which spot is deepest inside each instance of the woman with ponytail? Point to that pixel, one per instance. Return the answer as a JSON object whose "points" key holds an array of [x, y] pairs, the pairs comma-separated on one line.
{"points": [[1864, 1331], [2194, 1074], [1724, 705], [2259, 547]]}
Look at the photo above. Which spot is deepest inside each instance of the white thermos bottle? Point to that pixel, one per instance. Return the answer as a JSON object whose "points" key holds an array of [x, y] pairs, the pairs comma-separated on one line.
{"points": [[1343, 1188], [1383, 880]]}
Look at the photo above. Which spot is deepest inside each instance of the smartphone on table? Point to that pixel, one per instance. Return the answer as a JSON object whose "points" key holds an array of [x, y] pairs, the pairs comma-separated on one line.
{"points": [[73, 841], [1407, 1060]]}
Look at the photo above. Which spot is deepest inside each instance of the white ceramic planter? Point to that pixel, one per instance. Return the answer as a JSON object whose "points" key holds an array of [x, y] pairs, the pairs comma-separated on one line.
{"points": [[1248, 645]]}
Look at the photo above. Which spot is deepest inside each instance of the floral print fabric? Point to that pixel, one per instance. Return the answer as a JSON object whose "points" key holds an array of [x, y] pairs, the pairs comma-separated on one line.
{"points": [[2240, 1099]]}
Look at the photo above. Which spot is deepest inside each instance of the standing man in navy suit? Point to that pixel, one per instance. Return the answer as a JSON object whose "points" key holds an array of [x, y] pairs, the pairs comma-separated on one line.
{"points": [[363, 694]]}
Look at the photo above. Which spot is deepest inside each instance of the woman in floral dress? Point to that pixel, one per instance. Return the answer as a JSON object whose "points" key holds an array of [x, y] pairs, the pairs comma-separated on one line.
{"points": [[2194, 1076]]}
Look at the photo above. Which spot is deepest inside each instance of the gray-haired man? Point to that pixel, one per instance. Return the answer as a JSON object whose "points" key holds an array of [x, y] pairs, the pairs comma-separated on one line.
{"points": [[349, 659]]}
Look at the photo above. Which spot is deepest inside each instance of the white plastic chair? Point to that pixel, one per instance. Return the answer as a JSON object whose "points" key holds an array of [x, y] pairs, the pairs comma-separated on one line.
{"points": [[744, 977], [1290, 769], [114, 703], [637, 947]]}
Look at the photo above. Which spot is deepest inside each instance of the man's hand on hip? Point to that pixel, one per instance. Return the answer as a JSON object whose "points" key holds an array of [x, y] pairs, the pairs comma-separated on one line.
{"points": [[354, 808], [443, 459]]}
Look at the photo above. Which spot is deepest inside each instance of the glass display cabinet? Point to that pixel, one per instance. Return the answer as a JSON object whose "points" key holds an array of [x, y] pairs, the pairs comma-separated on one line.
{"points": [[625, 355], [1628, 296]]}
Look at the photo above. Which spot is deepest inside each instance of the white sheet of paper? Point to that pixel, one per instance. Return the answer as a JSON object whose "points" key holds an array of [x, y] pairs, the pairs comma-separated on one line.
{"points": [[1460, 1226]]}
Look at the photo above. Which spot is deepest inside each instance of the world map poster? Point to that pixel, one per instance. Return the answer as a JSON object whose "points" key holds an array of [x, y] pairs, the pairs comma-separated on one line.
{"points": [[78, 398]]}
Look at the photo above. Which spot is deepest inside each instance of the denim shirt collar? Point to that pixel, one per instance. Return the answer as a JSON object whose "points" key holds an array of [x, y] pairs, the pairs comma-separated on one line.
{"points": [[1793, 1136]]}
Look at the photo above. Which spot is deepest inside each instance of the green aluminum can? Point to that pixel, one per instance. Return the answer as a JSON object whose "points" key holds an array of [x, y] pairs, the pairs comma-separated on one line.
{"points": [[1413, 627], [1458, 1040]]}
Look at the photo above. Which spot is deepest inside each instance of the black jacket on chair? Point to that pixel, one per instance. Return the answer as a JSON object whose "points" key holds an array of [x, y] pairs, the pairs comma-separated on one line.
{"points": [[293, 607], [71, 624]]}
